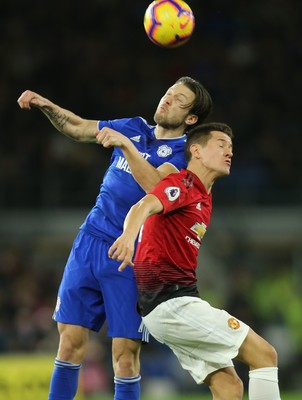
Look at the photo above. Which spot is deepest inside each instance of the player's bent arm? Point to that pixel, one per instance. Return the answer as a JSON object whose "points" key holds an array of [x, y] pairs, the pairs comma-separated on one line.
{"points": [[63, 120], [122, 249], [143, 172]]}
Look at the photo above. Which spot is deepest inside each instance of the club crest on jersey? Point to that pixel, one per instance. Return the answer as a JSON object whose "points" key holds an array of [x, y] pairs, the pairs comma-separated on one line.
{"points": [[233, 323], [172, 193], [199, 229], [164, 151]]}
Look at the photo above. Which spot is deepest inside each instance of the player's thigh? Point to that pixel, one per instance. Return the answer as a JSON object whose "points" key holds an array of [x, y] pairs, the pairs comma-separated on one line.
{"points": [[257, 352], [80, 300], [201, 328], [204, 339], [120, 299]]}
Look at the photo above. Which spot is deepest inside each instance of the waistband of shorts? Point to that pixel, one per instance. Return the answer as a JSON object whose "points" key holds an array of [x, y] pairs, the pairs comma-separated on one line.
{"points": [[147, 301]]}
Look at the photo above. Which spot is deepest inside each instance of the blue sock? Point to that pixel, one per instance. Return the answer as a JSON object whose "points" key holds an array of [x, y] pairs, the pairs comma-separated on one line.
{"points": [[64, 380], [127, 388]]}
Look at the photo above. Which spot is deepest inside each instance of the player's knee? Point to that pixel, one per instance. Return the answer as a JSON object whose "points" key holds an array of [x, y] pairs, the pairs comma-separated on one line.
{"points": [[266, 356], [125, 355], [236, 390], [232, 389], [270, 356], [226, 388], [72, 345], [126, 364]]}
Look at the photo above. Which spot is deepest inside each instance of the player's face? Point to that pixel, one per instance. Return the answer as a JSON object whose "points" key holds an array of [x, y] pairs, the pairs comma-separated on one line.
{"points": [[216, 155], [174, 107]]}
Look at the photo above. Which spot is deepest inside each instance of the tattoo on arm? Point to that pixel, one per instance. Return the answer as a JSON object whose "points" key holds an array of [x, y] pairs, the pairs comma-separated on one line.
{"points": [[57, 118]]}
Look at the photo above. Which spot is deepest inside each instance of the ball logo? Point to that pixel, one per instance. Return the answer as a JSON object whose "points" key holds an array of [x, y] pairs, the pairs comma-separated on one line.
{"points": [[185, 20], [164, 151], [172, 192], [233, 323]]}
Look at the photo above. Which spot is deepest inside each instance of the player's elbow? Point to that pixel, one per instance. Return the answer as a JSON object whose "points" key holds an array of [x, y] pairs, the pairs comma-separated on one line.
{"points": [[149, 205], [150, 185], [80, 134], [148, 188]]}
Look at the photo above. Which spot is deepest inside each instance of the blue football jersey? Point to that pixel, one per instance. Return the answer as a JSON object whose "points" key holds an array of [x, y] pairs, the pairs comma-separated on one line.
{"points": [[119, 190]]}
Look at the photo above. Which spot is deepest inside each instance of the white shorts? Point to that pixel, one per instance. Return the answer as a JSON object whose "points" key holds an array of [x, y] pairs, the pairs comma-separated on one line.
{"points": [[203, 338]]}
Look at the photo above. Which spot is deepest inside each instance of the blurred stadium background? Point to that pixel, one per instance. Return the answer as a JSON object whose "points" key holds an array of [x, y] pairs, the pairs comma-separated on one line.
{"points": [[94, 58]]}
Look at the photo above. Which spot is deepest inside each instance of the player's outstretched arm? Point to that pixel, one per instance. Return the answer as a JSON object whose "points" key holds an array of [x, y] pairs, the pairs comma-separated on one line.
{"points": [[143, 172], [123, 248], [63, 120]]}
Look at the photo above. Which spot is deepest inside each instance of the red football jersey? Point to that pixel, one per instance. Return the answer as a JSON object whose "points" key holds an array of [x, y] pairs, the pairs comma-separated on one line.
{"points": [[168, 242]]}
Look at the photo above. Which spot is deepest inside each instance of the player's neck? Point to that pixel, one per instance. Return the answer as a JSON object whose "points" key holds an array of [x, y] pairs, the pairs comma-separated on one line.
{"points": [[162, 133], [206, 177]]}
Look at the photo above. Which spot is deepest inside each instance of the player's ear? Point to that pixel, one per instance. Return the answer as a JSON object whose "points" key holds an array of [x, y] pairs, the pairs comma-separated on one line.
{"points": [[191, 119], [195, 150]]}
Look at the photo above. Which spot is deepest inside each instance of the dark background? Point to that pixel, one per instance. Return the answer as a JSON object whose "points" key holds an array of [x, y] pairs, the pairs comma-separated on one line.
{"points": [[95, 59]]}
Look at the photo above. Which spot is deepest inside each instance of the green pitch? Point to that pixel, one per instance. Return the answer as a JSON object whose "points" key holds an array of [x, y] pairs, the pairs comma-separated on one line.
{"points": [[27, 377], [297, 396], [284, 396]]}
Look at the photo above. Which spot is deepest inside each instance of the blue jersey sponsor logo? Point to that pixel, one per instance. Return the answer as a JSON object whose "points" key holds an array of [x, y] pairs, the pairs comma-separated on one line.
{"points": [[122, 163]]}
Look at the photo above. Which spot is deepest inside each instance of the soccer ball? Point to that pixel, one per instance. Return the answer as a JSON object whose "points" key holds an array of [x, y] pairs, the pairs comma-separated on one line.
{"points": [[169, 23]]}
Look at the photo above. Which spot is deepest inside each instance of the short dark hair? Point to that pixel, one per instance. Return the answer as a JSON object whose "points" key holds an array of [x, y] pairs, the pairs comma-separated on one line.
{"points": [[201, 133], [202, 105]]}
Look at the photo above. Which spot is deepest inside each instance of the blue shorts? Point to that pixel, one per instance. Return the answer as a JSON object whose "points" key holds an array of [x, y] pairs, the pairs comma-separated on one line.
{"points": [[93, 291]]}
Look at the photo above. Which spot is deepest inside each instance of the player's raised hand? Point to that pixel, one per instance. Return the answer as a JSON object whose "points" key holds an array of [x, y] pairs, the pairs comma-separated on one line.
{"points": [[30, 99], [108, 137], [122, 250]]}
